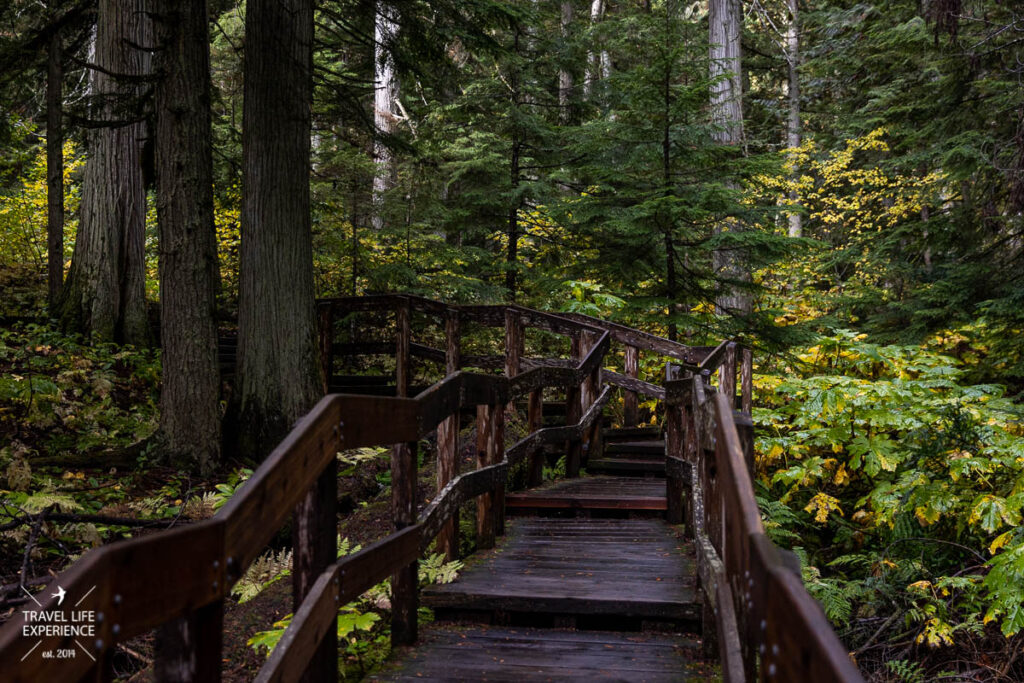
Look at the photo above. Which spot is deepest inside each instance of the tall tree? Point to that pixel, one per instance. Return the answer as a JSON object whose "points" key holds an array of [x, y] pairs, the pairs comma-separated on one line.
{"points": [[54, 168], [385, 97], [277, 380], [595, 60], [105, 291], [725, 21], [189, 399], [564, 71], [793, 129]]}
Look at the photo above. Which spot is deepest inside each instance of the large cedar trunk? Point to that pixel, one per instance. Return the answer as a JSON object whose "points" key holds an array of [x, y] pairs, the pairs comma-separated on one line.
{"points": [[278, 371], [54, 170], [189, 399], [725, 22], [105, 292]]}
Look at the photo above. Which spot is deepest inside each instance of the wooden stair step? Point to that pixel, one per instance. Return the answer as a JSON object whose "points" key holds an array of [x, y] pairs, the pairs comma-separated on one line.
{"points": [[652, 448], [598, 494], [631, 433], [624, 466], [518, 655], [636, 569]]}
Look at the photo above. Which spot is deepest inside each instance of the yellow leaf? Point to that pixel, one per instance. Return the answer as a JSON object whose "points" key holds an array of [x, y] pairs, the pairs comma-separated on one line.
{"points": [[1000, 541]]}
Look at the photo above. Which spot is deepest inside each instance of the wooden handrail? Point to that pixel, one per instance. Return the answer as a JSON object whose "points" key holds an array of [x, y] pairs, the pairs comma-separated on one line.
{"points": [[143, 582], [762, 614], [765, 621]]}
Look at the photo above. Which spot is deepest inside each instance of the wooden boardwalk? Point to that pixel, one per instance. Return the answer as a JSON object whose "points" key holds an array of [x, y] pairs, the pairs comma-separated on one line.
{"points": [[587, 580], [572, 572], [601, 561]]}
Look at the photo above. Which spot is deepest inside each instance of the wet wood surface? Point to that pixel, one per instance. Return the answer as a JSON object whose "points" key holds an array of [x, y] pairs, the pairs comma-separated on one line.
{"points": [[525, 654], [626, 568]]}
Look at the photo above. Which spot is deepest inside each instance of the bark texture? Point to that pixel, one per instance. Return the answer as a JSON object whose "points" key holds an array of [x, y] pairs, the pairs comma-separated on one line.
{"points": [[278, 369], [725, 20], [54, 170], [596, 61], [189, 399], [105, 292]]}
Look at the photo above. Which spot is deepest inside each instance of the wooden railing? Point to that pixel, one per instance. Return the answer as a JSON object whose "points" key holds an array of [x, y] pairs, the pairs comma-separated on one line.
{"points": [[176, 581], [757, 613]]}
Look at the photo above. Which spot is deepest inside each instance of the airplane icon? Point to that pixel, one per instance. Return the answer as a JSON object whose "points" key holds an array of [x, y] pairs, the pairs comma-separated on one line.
{"points": [[59, 595]]}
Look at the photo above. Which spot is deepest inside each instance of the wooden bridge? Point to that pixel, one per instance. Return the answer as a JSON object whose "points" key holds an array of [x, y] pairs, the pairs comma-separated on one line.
{"points": [[592, 576]]}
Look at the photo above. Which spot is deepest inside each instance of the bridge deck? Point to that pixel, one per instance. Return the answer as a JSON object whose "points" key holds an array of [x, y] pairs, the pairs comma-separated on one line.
{"points": [[448, 653], [583, 569]]}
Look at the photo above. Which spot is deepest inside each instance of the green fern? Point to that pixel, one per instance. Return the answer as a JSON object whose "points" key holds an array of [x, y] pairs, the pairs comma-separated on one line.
{"points": [[905, 671]]}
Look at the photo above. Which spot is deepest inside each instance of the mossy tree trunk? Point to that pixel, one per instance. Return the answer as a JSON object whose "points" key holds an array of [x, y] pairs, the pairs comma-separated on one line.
{"points": [[277, 378], [104, 296], [189, 400]]}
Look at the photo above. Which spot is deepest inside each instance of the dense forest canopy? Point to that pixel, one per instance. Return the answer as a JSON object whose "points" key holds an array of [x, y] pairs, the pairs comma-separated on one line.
{"points": [[838, 184]]}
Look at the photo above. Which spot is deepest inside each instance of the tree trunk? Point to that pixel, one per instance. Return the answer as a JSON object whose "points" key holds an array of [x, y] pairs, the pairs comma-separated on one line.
{"points": [[105, 292], [278, 371], [593, 59], [385, 95], [793, 121], [725, 23], [189, 399], [54, 170], [564, 73]]}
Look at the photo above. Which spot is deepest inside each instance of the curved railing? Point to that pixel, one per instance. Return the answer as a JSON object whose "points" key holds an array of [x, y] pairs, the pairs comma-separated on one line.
{"points": [[176, 580]]}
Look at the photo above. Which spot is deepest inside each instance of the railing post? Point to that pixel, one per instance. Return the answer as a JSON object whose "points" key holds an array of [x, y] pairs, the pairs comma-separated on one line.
{"points": [[747, 381], [484, 502], [727, 374], [448, 440], [326, 329], [403, 337], [534, 421], [404, 582], [315, 547], [631, 410], [745, 430], [588, 394], [513, 346], [188, 648], [674, 431], [574, 449], [495, 454]]}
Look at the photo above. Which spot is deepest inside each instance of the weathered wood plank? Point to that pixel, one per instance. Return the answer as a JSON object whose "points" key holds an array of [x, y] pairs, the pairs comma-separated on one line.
{"points": [[747, 381], [315, 547], [690, 356], [362, 570], [632, 368], [404, 581], [312, 625], [634, 387], [484, 503]]}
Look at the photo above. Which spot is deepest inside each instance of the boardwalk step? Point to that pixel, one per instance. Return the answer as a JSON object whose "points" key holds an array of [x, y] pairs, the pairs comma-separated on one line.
{"points": [[528, 654], [652, 449], [594, 495], [627, 466], [631, 433], [608, 573]]}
